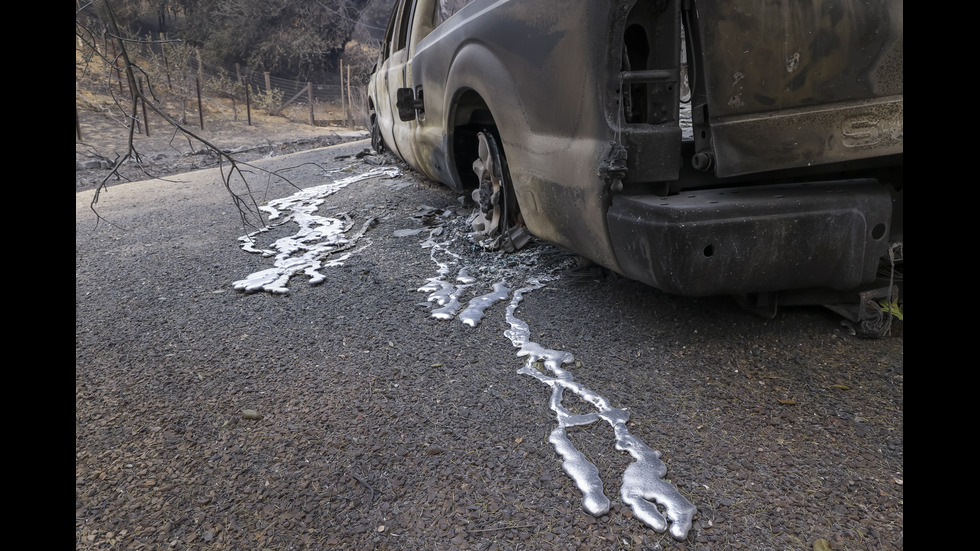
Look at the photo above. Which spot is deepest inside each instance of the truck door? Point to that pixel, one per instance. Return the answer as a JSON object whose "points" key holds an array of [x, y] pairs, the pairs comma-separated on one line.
{"points": [[397, 76]]}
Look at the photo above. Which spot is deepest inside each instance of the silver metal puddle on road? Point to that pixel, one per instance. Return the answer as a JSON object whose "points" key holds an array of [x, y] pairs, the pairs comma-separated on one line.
{"points": [[317, 242], [319, 238], [445, 293], [643, 486]]}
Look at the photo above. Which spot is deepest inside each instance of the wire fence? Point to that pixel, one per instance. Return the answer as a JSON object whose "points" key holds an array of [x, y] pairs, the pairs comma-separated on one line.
{"points": [[275, 94], [177, 71]]}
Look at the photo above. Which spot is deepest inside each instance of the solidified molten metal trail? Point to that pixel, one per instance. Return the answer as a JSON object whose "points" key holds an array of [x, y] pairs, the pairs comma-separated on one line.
{"points": [[317, 238], [315, 245], [643, 485]]}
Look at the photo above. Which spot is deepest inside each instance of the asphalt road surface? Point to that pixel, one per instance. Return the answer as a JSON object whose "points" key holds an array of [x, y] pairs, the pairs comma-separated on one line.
{"points": [[342, 414]]}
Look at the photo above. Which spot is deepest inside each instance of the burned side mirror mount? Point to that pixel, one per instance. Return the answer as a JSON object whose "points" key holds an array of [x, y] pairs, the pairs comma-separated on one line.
{"points": [[408, 104]]}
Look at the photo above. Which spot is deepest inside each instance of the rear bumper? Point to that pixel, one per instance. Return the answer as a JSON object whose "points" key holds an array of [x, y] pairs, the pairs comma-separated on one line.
{"points": [[754, 239]]}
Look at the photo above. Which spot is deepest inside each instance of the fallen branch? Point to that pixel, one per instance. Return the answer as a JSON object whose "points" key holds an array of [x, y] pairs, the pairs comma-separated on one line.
{"points": [[245, 202]]}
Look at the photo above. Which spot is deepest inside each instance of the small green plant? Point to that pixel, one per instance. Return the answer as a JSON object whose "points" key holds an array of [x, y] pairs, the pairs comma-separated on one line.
{"points": [[270, 101], [224, 85], [894, 308]]}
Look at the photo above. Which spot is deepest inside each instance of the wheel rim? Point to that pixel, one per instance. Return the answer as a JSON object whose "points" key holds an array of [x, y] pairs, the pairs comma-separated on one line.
{"points": [[377, 142], [497, 224], [490, 194]]}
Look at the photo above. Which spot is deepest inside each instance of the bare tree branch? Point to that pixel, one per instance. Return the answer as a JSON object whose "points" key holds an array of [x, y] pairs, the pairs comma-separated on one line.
{"points": [[113, 39]]}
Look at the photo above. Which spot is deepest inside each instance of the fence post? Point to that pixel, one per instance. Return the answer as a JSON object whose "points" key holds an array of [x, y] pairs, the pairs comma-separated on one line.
{"points": [[343, 108], [248, 104], [273, 109], [200, 106], [146, 121], [350, 101], [309, 89]]}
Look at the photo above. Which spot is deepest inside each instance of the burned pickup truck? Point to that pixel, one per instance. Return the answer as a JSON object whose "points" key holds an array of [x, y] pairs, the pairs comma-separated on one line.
{"points": [[705, 147]]}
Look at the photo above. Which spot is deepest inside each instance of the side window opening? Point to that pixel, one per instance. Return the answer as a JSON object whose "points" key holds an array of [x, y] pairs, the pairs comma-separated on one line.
{"points": [[389, 34], [425, 20], [429, 14], [404, 20]]}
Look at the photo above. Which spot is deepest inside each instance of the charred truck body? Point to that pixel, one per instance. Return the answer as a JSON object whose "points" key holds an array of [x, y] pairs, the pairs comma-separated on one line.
{"points": [[752, 148]]}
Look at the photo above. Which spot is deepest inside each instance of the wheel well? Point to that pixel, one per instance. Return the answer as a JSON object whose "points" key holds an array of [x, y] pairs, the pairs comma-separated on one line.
{"points": [[470, 116]]}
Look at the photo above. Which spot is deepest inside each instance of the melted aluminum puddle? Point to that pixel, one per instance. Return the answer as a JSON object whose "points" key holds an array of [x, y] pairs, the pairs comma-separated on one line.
{"points": [[446, 294], [643, 485], [310, 248]]}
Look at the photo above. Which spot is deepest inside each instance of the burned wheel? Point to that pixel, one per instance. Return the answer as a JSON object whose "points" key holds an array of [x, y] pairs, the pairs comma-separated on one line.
{"points": [[377, 141], [498, 222]]}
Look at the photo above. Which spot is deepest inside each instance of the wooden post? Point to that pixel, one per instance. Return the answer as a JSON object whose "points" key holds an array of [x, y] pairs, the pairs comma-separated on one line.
{"points": [[78, 126], [241, 80], [342, 108], [200, 106], [309, 89], [200, 79], [146, 121], [273, 109], [350, 101], [248, 104]]}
